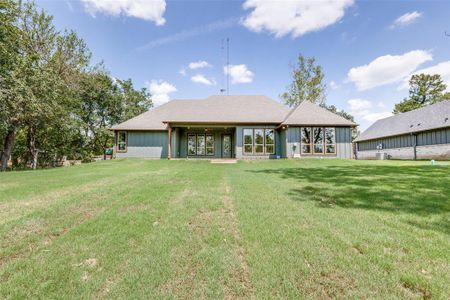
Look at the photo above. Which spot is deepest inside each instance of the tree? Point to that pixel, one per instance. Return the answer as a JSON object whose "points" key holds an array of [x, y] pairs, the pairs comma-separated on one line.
{"points": [[34, 92], [307, 83], [424, 89], [135, 101]]}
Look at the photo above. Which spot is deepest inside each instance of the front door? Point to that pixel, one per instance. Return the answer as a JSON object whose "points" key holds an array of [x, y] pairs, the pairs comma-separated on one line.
{"points": [[226, 146]]}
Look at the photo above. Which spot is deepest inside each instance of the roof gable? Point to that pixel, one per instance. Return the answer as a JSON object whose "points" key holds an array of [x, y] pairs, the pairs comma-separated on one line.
{"points": [[308, 113], [425, 118]]}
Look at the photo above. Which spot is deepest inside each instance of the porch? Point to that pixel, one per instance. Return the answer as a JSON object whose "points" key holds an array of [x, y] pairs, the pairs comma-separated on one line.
{"points": [[202, 142]]}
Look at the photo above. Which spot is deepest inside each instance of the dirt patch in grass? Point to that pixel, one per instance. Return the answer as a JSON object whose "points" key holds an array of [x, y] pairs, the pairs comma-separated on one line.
{"points": [[329, 285], [241, 274]]}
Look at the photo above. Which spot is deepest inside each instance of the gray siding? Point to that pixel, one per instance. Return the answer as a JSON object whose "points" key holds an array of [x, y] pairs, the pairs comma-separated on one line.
{"points": [[150, 144], [283, 143], [239, 142], [435, 137], [430, 144], [343, 143], [293, 142]]}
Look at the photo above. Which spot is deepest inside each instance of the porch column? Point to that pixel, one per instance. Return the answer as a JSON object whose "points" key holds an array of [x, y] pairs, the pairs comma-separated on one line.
{"points": [[169, 154]]}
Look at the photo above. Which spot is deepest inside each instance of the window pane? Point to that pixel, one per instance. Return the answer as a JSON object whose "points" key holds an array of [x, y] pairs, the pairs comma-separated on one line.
{"points": [[200, 145], [248, 136], [306, 135], [259, 137], [306, 148], [210, 141], [122, 141], [209, 151], [330, 135], [318, 135], [318, 148], [259, 149], [191, 144], [248, 149], [331, 149], [269, 136], [270, 149]]}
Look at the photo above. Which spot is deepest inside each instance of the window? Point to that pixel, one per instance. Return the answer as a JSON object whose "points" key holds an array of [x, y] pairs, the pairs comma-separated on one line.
{"points": [[122, 141], [209, 144], [200, 144], [318, 140], [330, 140], [248, 141], [306, 140], [259, 141], [191, 144], [270, 141]]}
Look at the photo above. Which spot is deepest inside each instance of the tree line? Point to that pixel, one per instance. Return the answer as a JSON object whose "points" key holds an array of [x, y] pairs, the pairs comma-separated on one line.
{"points": [[54, 103]]}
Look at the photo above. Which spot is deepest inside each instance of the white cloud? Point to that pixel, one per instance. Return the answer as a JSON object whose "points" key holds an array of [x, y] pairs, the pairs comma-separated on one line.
{"points": [[362, 110], [334, 85], [442, 69], [406, 19], [141, 9], [387, 69], [186, 34], [160, 91], [199, 78], [356, 105], [182, 72], [293, 17], [199, 65], [239, 73]]}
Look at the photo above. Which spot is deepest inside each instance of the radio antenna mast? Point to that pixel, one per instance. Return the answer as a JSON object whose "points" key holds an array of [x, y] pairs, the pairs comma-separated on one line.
{"points": [[228, 66]]}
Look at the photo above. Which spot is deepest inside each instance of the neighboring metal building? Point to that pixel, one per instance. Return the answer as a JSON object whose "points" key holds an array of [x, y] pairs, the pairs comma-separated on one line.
{"points": [[419, 134]]}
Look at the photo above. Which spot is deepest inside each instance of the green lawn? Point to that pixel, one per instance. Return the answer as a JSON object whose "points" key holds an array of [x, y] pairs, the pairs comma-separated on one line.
{"points": [[260, 229]]}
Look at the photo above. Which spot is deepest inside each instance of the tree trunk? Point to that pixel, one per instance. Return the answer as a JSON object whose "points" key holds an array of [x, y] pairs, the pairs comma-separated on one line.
{"points": [[32, 147], [8, 145]]}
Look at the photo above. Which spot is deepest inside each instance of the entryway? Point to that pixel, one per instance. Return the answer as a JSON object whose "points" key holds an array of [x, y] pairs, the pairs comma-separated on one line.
{"points": [[226, 146]]}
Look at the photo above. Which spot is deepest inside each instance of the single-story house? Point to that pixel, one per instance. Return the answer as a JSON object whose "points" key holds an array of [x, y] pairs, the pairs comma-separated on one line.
{"points": [[423, 133], [234, 127]]}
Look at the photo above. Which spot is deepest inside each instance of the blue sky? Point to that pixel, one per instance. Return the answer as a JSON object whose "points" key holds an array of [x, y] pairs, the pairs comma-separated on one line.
{"points": [[368, 49]]}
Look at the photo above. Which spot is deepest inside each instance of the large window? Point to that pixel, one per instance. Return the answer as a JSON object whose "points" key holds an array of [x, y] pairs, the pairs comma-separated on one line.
{"points": [[200, 144], [248, 141], [259, 141], [318, 140], [306, 140], [122, 141]]}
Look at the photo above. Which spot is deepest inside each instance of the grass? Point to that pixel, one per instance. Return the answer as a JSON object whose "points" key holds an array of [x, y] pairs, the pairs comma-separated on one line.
{"points": [[259, 229]]}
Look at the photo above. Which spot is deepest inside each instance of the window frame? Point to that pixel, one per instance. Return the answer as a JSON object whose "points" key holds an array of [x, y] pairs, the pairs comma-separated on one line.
{"points": [[254, 145], [309, 144], [326, 142], [244, 144], [196, 136], [312, 143], [118, 141]]}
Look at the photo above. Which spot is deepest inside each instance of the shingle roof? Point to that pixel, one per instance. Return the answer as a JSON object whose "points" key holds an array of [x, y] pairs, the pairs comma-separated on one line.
{"points": [[244, 109], [214, 109], [426, 118], [308, 113]]}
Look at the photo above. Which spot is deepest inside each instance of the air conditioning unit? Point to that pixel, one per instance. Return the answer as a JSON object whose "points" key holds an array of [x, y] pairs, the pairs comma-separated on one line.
{"points": [[381, 156]]}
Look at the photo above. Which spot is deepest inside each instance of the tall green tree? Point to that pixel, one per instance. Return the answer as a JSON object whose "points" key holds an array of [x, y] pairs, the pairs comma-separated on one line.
{"points": [[35, 91], [135, 102], [307, 83], [424, 89]]}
